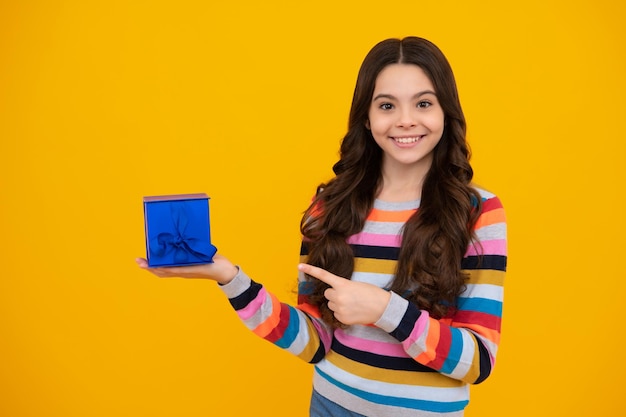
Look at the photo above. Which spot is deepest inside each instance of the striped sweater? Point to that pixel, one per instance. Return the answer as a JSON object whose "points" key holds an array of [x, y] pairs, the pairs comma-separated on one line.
{"points": [[407, 363]]}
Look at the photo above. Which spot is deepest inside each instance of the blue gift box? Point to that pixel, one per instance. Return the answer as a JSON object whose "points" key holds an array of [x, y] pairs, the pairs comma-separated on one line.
{"points": [[178, 230]]}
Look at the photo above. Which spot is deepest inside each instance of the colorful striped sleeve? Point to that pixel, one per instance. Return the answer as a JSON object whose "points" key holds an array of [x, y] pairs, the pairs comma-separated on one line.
{"points": [[463, 346], [296, 330]]}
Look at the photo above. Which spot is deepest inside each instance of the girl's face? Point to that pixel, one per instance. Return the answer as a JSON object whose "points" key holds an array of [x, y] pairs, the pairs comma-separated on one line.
{"points": [[405, 117]]}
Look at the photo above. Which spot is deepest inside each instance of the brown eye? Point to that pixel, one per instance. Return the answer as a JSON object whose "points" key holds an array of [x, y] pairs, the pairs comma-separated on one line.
{"points": [[386, 106], [424, 104]]}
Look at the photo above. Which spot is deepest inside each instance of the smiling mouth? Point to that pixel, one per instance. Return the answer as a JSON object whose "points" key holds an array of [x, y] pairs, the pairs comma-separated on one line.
{"points": [[411, 139]]}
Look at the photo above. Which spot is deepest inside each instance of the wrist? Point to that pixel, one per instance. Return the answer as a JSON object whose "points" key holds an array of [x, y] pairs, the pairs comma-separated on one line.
{"points": [[228, 275], [393, 314], [385, 298], [237, 286]]}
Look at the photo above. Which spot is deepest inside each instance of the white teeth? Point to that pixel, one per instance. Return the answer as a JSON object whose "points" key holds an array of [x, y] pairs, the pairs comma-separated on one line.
{"points": [[406, 140]]}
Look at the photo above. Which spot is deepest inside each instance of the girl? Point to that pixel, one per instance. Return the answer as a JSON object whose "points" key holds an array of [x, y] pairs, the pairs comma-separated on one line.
{"points": [[400, 289]]}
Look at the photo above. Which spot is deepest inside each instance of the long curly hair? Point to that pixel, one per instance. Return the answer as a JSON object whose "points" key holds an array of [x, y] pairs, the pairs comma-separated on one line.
{"points": [[437, 236]]}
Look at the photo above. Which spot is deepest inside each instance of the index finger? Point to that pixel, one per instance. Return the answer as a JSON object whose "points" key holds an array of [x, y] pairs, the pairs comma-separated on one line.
{"points": [[321, 274]]}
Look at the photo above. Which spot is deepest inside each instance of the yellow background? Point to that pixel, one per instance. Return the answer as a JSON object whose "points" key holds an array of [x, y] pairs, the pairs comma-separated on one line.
{"points": [[102, 103]]}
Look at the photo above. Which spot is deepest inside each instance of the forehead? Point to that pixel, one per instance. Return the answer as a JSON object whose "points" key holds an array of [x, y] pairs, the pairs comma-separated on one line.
{"points": [[402, 77]]}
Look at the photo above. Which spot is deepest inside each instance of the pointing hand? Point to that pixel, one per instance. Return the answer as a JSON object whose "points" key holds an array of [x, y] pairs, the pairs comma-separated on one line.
{"points": [[351, 302]]}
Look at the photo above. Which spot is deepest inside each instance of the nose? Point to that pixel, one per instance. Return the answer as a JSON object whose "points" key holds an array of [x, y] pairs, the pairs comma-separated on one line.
{"points": [[407, 117]]}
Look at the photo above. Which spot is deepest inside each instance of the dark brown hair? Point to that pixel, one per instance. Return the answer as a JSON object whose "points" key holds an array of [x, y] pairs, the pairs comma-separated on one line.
{"points": [[436, 237]]}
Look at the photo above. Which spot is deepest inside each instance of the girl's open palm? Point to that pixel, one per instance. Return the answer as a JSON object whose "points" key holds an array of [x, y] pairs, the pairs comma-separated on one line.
{"points": [[221, 270]]}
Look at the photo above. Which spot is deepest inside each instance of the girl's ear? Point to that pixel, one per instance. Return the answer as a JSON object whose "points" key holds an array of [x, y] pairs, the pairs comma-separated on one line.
{"points": [[367, 124]]}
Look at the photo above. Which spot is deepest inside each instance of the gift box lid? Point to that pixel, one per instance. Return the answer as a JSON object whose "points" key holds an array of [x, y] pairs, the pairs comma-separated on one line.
{"points": [[175, 197]]}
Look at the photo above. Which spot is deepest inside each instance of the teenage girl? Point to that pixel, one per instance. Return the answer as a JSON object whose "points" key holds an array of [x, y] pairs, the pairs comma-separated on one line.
{"points": [[403, 258]]}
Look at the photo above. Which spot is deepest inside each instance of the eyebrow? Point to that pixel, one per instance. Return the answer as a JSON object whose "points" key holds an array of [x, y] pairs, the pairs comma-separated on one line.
{"points": [[391, 97]]}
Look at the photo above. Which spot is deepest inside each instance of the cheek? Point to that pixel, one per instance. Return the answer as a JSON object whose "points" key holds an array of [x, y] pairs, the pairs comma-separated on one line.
{"points": [[379, 134], [378, 125], [435, 122]]}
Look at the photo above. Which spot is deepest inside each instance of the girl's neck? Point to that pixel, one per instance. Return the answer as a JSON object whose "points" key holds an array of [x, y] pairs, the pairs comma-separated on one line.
{"points": [[396, 193], [401, 183]]}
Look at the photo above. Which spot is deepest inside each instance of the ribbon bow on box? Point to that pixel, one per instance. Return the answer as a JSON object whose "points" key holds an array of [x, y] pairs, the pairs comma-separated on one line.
{"points": [[183, 244]]}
